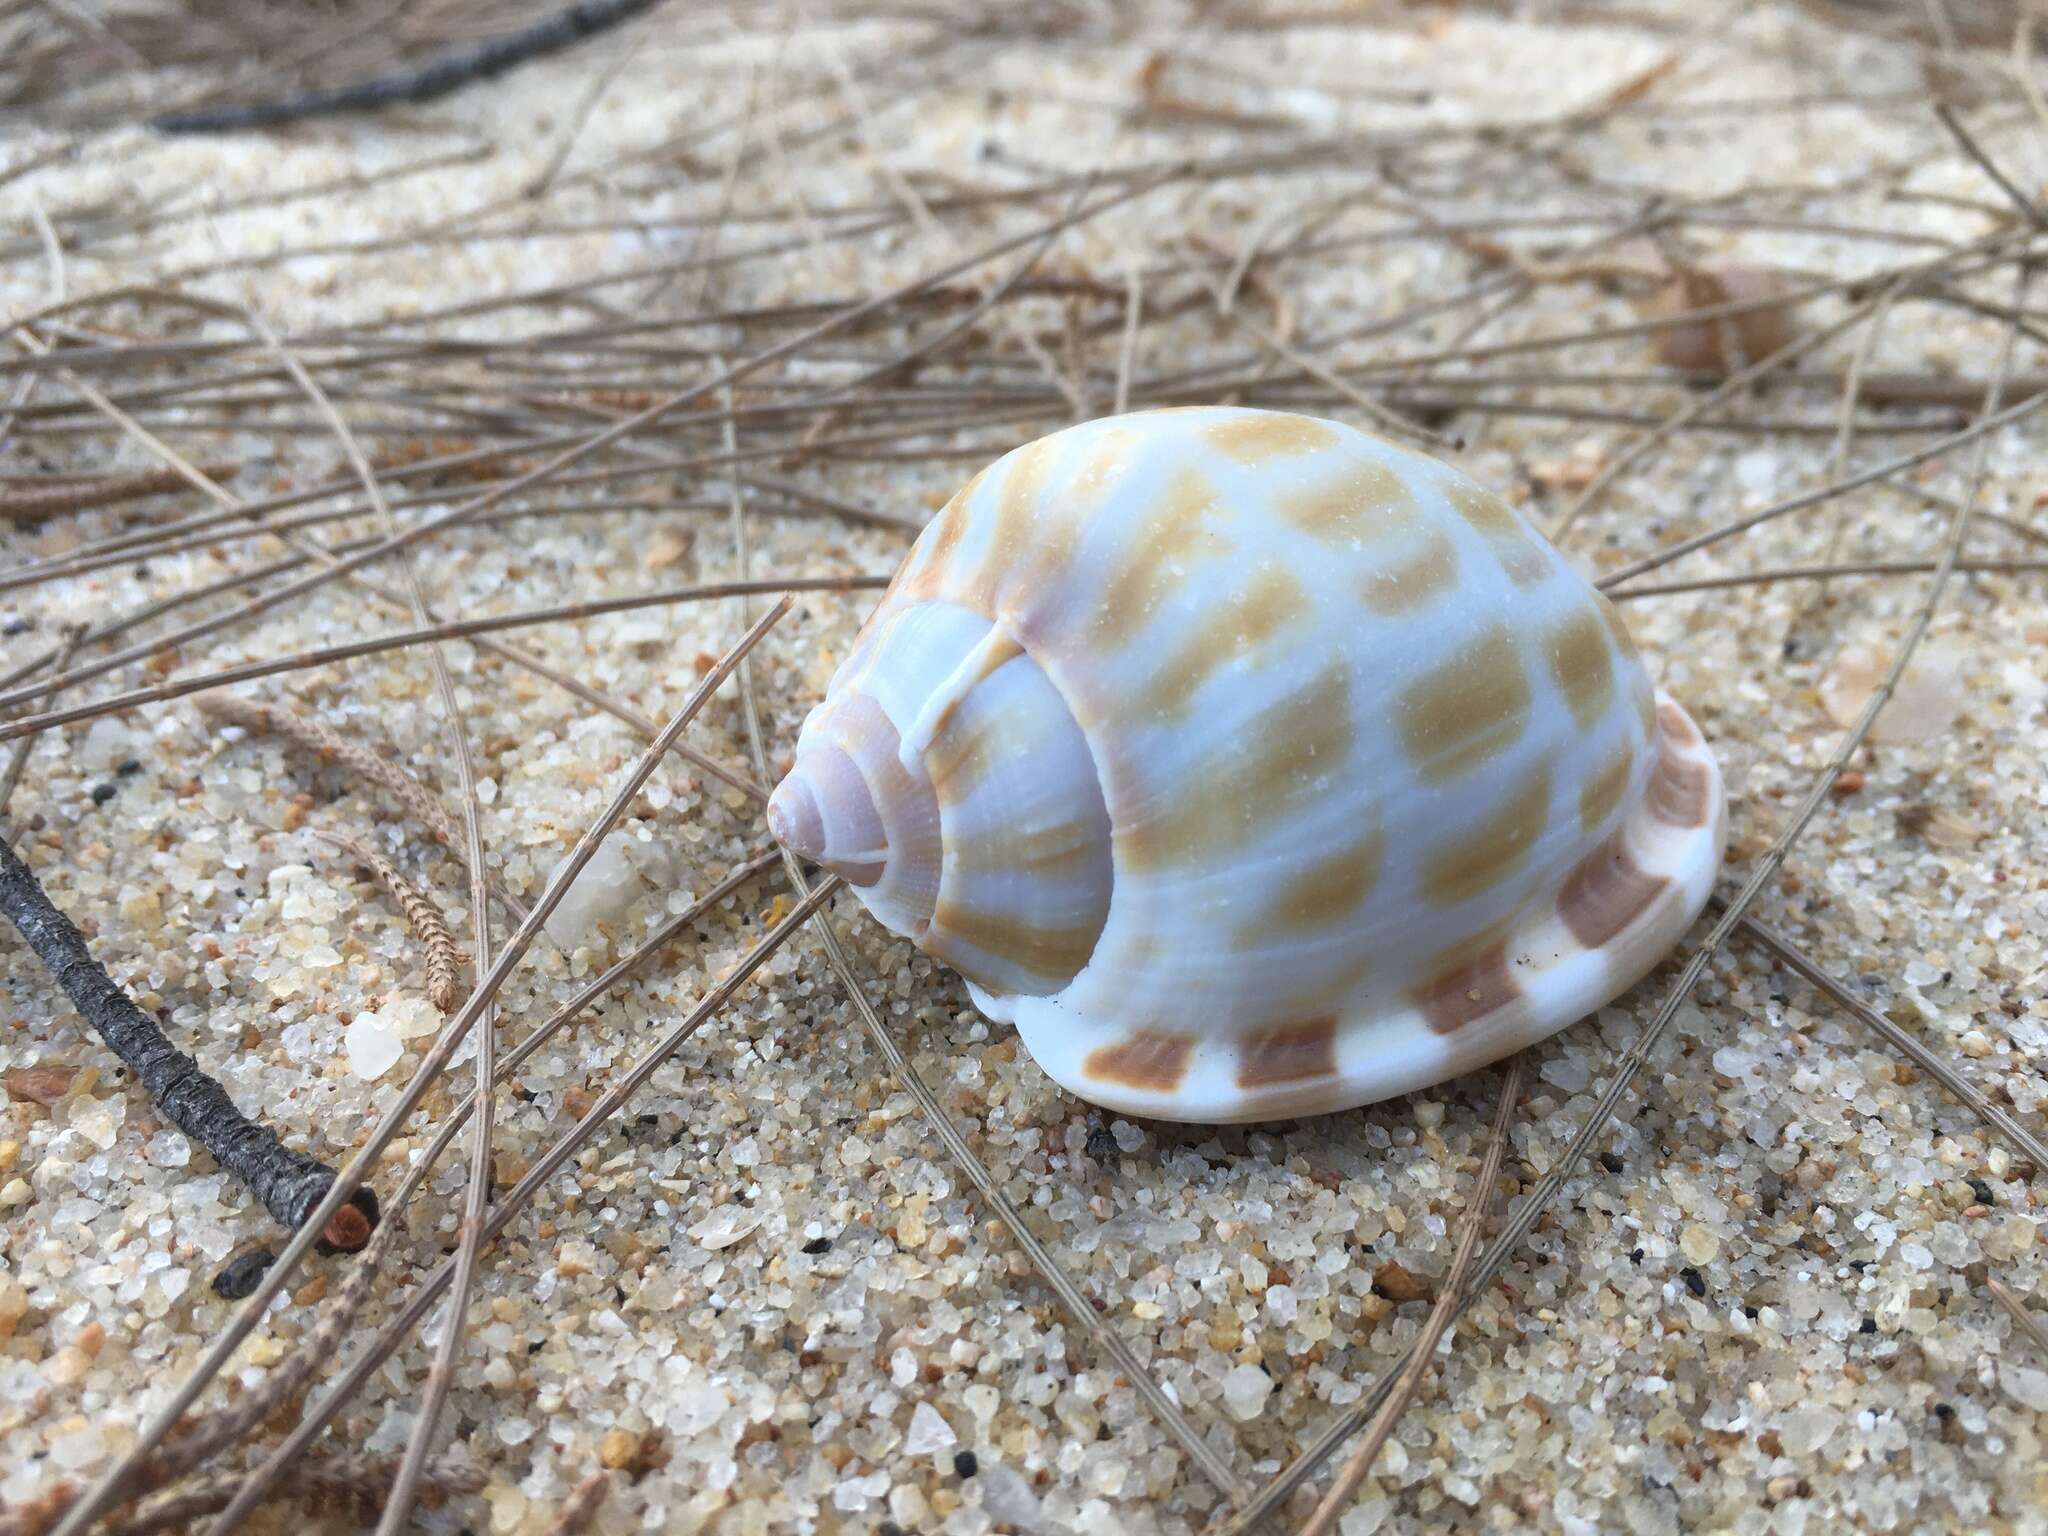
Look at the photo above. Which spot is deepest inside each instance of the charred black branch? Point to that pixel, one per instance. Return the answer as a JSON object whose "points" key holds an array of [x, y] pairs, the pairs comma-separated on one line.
{"points": [[430, 81], [289, 1183]]}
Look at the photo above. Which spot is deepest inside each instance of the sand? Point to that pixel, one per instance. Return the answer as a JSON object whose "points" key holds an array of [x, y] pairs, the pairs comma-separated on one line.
{"points": [[762, 1294]]}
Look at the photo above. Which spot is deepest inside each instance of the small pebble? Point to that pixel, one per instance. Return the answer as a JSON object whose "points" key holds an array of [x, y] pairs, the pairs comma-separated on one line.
{"points": [[1693, 1280], [373, 1046], [964, 1464], [603, 892], [1928, 701], [1699, 1243], [1006, 1496], [240, 1277], [2025, 1385], [1398, 1283], [929, 1432], [1245, 1390], [102, 793], [1102, 1145]]}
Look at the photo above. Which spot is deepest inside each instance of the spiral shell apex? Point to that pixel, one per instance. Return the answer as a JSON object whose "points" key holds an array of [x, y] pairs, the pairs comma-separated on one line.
{"points": [[1253, 767]]}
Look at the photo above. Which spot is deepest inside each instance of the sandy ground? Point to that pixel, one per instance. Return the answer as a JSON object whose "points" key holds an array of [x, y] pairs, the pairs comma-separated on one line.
{"points": [[1764, 1309]]}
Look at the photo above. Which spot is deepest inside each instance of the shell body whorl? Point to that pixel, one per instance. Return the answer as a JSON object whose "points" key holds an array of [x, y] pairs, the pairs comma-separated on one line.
{"points": [[1253, 766]]}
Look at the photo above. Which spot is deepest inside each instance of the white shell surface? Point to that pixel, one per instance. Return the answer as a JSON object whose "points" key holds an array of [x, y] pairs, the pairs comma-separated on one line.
{"points": [[1386, 790]]}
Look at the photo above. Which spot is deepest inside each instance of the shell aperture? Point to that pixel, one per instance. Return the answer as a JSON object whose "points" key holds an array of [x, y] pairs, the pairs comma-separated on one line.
{"points": [[1254, 766]]}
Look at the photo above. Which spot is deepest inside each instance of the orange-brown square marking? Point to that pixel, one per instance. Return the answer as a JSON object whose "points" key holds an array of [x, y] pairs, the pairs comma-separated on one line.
{"points": [[1606, 893], [1467, 992], [1467, 708], [1678, 792], [1362, 501], [1610, 615], [1327, 892], [1676, 725], [1257, 609], [1492, 851], [1288, 1055], [1290, 748], [1253, 439], [1156, 562], [1149, 1060], [1051, 956], [1397, 586], [1514, 543], [1579, 661], [1600, 794]]}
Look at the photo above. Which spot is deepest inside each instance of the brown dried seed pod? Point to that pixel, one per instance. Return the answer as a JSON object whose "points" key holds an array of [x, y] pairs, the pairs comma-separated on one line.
{"points": [[1722, 343], [310, 736], [441, 961]]}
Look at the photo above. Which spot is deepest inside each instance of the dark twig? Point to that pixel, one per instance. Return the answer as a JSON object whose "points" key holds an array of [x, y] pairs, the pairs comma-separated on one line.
{"points": [[507, 1207], [430, 81], [290, 1184], [36, 501]]}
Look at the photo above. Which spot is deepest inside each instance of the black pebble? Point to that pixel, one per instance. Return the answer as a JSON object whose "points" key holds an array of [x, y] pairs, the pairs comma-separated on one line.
{"points": [[964, 1463], [1943, 1412], [1611, 1161], [1102, 1146], [1692, 1280], [128, 769], [102, 793], [1869, 1325], [817, 1245], [1982, 1191], [241, 1277], [18, 626]]}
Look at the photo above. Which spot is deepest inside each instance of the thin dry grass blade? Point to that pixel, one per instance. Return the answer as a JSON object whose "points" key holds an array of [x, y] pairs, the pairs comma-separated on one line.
{"points": [[1422, 1353]]}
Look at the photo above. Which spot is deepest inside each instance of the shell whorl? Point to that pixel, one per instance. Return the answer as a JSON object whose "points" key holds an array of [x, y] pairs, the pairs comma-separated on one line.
{"points": [[948, 778]]}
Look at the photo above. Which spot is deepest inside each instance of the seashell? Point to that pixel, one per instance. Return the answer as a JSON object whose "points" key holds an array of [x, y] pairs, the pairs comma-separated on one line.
{"points": [[1254, 767]]}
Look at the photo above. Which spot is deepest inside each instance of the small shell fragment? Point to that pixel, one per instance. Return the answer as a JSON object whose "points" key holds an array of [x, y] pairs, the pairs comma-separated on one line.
{"points": [[373, 1045], [1927, 702], [1721, 344]]}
